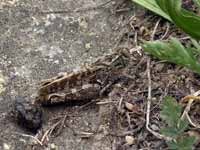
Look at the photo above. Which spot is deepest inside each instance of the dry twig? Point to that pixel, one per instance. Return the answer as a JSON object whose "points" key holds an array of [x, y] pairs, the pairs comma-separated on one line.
{"points": [[158, 135], [30, 136], [122, 97], [190, 99], [154, 30], [166, 32], [52, 128]]}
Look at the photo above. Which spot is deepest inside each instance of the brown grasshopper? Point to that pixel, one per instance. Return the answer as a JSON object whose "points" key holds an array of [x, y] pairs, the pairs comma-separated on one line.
{"points": [[88, 83]]}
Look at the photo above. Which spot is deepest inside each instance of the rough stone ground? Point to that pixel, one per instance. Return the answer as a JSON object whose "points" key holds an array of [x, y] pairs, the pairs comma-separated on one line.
{"points": [[37, 46], [38, 42]]}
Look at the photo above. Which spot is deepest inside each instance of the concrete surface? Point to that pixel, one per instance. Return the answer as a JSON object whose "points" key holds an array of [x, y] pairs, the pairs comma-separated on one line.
{"points": [[35, 46]]}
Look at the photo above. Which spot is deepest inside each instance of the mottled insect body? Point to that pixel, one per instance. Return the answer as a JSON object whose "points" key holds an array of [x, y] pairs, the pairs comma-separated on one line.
{"points": [[85, 84]]}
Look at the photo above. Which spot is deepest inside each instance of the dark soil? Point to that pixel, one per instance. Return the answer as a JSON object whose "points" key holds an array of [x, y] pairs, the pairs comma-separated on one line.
{"points": [[28, 115]]}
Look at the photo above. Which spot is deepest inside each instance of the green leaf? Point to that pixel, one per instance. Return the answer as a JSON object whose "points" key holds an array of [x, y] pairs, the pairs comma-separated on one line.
{"points": [[171, 114], [173, 51], [186, 142], [173, 145], [171, 10], [175, 130], [182, 143], [197, 2], [184, 19], [170, 131], [152, 6], [196, 45], [171, 111], [182, 126]]}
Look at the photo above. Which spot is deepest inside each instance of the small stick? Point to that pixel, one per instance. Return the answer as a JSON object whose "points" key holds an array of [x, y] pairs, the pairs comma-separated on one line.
{"points": [[104, 103], [158, 135], [154, 30], [136, 38], [45, 135], [166, 32], [190, 99], [120, 103], [128, 119], [62, 124], [191, 122], [30, 136], [50, 130], [122, 97], [87, 104]]}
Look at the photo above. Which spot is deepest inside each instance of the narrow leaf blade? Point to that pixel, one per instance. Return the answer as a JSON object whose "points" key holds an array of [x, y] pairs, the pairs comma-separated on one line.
{"points": [[152, 6], [188, 21]]}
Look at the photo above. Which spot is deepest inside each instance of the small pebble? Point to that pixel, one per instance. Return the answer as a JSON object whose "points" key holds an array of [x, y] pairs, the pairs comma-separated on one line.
{"points": [[53, 146], [130, 140], [159, 67], [155, 127], [88, 45], [6, 146], [129, 106], [22, 140]]}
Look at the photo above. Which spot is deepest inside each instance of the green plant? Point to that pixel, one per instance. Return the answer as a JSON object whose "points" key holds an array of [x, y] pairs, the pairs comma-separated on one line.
{"points": [[173, 51], [184, 19], [175, 126], [197, 2], [172, 11], [153, 6]]}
